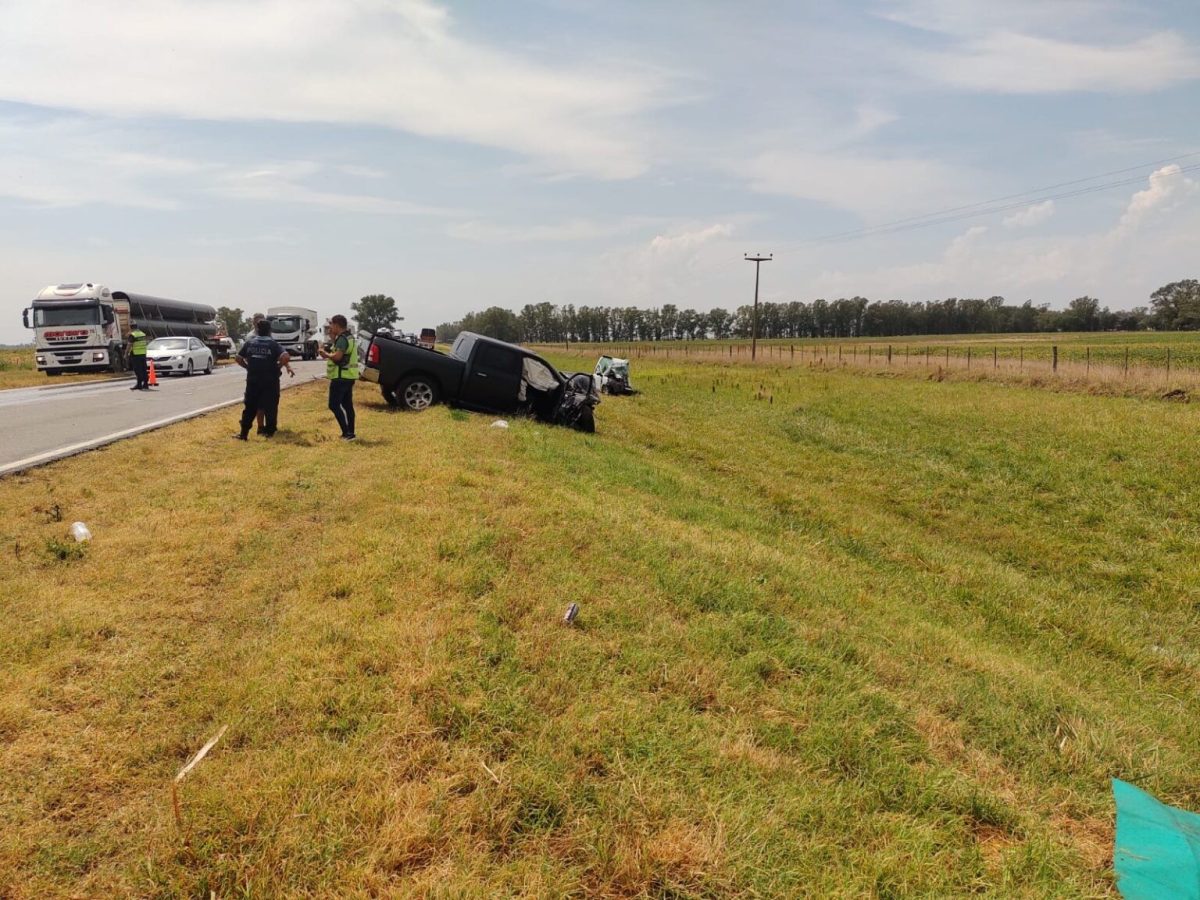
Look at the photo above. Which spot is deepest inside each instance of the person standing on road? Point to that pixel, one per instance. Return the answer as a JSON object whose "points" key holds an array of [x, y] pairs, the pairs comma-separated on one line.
{"points": [[137, 359], [341, 368], [263, 358]]}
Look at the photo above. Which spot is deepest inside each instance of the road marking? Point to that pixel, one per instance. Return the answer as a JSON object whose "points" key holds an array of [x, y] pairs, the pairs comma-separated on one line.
{"points": [[50, 456]]}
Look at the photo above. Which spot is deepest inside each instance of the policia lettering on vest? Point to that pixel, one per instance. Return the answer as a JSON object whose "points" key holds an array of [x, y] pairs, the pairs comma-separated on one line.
{"points": [[341, 368], [137, 359]]}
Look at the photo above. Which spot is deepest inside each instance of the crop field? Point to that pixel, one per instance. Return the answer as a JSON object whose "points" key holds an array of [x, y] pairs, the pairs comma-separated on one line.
{"points": [[1134, 363], [840, 635]]}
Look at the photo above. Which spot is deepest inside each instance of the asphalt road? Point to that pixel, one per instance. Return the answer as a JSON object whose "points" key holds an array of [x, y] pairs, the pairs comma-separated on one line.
{"points": [[41, 424]]}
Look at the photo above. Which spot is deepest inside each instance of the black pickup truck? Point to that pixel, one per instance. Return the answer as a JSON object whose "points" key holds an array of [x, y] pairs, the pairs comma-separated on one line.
{"points": [[482, 374]]}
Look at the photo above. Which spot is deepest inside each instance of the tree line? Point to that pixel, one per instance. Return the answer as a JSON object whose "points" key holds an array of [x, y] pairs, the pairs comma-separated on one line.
{"points": [[1173, 307]]}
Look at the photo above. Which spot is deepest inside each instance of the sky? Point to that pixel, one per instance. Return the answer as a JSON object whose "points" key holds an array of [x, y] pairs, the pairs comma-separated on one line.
{"points": [[249, 153]]}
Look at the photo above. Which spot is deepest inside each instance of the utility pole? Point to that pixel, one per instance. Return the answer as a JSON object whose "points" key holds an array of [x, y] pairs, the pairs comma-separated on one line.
{"points": [[758, 261]]}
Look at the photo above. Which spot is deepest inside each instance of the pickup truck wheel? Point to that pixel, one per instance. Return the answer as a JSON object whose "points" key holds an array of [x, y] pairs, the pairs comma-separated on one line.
{"points": [[417, 392]]}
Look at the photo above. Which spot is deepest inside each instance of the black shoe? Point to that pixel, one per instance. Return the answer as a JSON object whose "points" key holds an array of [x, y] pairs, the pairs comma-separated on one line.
{"points": [[239, 437], [135, 388], [349, 437], [260, 431], [267, 434]]}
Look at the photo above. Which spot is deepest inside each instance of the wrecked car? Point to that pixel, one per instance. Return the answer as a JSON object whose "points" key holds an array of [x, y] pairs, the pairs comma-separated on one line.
{"points": [[612, 376], [481, 374]]}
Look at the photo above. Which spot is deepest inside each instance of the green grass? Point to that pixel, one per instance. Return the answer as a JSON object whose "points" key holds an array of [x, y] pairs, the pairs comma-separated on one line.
{"points": [[859, 637], [1147, 350]]}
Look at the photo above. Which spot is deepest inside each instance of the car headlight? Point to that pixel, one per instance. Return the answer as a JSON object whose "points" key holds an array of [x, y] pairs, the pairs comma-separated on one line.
{"points": [[41, 360]]}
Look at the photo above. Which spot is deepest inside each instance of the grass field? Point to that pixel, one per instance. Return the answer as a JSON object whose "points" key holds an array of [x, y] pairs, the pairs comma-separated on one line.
{"points": [[1131, 363], [861, 637], [17, 370]]}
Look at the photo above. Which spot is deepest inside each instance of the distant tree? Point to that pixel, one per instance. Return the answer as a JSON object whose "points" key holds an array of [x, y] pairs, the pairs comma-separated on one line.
{"points": [[1177, 305], [375, 311], [494, 322], [1081, 314], [235, 321], [448, 331]]}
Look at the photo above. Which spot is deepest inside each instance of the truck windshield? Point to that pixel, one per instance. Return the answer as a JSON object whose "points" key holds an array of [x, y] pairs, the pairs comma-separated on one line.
{"points": [[66, 315], [286, 325]]}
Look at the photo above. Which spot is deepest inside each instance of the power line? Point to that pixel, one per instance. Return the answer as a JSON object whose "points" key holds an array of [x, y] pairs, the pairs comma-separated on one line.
{"points": [[1051, 187], [990, 207], [1092, 189]]}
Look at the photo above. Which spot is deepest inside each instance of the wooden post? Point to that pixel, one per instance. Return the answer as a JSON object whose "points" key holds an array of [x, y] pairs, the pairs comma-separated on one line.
{"points": [[889, 354], [870, 353], [1088, 367], [927, 357], [995, 359], [839, 354], [1168, 362], [1126, 362], [947, 358], [1021, 366], [968, 358], [1054, 358]]}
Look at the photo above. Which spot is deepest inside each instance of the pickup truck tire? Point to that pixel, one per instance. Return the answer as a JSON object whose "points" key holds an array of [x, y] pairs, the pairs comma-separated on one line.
{"points": [[415, 393]]}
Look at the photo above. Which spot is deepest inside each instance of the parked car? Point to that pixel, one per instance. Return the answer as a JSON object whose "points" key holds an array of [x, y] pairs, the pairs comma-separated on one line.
{"points": [[180, 356], [481, 374]]}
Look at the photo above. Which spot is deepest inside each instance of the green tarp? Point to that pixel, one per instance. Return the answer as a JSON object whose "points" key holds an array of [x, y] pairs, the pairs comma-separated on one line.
{"points": [[1157, 853]]}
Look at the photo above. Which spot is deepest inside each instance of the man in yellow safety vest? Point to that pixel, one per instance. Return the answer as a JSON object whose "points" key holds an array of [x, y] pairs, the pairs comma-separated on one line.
{"points": [[341, 368], [137, 359]]}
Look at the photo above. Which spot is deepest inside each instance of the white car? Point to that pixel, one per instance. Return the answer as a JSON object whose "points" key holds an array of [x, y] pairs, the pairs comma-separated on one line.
{"points": [[179, 356]]}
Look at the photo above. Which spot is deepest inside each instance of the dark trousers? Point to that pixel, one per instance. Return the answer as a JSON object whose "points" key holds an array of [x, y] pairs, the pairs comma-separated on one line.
{"points": [[141, 371], [264, 395], [341, 403]]}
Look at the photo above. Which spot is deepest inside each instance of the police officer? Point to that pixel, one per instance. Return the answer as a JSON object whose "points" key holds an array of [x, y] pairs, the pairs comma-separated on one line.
{"points": [[262, 357], [341, 368], [137, 359]]}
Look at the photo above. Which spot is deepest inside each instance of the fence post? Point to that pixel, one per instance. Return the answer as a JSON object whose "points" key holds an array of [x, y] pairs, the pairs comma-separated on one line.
{"points": [[839, 354], [1054, 357], [870, 353], [1087, 370], [1168, 362], [1021, 365], [947, 358], [889, 354], [995, 359], [927, 357], [968, 359], [1126, 362]]}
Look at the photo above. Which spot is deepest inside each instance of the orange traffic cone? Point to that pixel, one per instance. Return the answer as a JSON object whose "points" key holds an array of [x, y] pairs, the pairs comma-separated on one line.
{"points": [[153, 382]]}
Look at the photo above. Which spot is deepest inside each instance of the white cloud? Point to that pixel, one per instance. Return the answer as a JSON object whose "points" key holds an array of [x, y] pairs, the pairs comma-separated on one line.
{"points": [[684, 241], [560, 232], [82, 162], [1012, 63], [868, 185], [1031, 215], [1120, 264], [1168, 187], [396, 63]]}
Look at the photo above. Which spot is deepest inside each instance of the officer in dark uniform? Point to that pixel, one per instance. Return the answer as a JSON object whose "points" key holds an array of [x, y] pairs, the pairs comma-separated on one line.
{"points": [[263, 358]]}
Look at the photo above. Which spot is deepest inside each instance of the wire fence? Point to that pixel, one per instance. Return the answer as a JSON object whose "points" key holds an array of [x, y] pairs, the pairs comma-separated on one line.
{"points": [[1132, 364]]}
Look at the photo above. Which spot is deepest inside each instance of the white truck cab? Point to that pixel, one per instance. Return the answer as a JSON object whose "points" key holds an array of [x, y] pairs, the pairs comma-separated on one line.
{"points": [[78, 328]]}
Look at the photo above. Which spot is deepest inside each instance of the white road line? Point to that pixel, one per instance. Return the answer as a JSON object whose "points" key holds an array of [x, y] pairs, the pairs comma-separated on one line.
{"points": [[50, 456]]}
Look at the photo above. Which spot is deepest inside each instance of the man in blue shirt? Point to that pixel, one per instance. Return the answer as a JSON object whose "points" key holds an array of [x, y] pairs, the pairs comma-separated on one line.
{"points": [[263, 358]]}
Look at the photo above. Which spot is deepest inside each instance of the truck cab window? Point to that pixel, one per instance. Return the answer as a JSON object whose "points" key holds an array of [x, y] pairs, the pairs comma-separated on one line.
{"points": [[499, 359]]}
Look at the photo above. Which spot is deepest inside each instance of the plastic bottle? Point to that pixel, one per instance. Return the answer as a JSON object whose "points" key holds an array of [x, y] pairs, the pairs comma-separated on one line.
{"points": [[80, 532]]}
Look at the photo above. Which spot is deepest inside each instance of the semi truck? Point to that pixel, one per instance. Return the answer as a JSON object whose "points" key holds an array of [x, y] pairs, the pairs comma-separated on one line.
{"points": [[296, 328], [85, 327]]}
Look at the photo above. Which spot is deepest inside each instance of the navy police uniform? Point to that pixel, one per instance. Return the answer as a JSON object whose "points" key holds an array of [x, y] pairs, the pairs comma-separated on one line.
{"points": [[262, 382]]}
